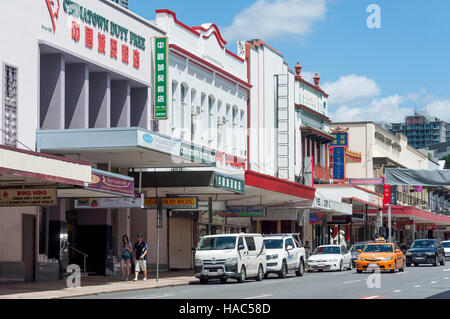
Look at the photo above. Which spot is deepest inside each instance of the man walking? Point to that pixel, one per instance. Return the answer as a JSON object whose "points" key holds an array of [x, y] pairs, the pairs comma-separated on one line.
{"points": [[140, 255]]}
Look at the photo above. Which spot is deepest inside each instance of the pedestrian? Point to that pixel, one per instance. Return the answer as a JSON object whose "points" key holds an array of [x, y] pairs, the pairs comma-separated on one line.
{"points": [[125, 261], [140, 252], [307, 249]]}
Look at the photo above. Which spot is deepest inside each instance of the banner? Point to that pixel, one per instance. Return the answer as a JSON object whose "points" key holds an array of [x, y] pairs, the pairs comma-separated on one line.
{"points": [[161, 73], [28, 197], [102, 203], [339, 163]]}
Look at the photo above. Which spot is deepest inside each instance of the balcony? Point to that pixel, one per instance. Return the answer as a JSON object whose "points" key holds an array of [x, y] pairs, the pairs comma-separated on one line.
{"points": [[321, 173]]}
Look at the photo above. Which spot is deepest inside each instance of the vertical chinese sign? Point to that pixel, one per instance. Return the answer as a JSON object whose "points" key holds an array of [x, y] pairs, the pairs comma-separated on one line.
{"points": [[160, 112], [339, 147]]}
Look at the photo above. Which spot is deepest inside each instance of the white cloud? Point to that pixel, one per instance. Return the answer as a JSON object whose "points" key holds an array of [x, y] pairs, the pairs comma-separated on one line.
{"points": [[351, 88], [381, 109], [267, 19], [308, 76], [439, 109]]}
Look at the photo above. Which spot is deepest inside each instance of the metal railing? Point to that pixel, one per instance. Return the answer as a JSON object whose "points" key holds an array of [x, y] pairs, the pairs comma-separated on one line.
{"points": [[85, 256]]}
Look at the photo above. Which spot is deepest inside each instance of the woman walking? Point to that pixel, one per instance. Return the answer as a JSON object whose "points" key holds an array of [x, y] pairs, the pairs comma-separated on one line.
{"points": [[127, 252]]}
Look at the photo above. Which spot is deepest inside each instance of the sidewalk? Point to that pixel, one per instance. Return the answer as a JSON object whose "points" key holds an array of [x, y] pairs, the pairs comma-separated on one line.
{"points": [[91, 286]]}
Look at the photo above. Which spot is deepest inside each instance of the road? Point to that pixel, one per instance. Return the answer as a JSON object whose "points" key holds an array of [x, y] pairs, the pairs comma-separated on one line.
{"points": [[415, 283]]}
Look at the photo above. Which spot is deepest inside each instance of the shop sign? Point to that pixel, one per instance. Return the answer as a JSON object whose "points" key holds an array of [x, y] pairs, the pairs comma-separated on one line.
{"points": [[358, 216], [161, 73], [340, 139], [316, 218], [28, 197], [198, 154], [245, 211], [98, 40], [204, 206], [217, 218], [338, 163], [425, 227], [229, 183], [340, 220], [102, 203], [366, 181], [386, 194], [172, 203], [105, 181], [159, 143]]}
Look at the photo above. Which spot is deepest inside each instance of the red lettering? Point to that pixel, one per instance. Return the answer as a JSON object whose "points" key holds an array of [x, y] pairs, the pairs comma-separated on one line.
{"points": [[113, 49], [76, 31], [89, 37], [136, 59], [101, 43], [125, 54]]}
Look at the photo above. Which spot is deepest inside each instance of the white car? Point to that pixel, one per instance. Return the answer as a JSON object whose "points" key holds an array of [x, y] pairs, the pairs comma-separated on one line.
{"points": [[238, 256], [330, 257], [284, 253], [446, 246]]}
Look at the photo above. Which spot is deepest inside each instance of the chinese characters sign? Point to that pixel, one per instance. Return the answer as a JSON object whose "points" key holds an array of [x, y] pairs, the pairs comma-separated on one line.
{"points": [[229, 183], [338, 163], [340, 139], [160, 78]]}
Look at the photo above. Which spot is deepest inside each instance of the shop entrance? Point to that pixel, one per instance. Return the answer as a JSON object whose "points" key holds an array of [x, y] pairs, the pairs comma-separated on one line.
{"points": [[180, 243]]}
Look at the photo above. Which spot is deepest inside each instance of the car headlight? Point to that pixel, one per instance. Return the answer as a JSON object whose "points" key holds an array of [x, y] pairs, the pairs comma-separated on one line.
{"points": [[408, 253], [388, 259], [270, 257], [431, 253], [360, 259], [311, 261], [198, 262], [231, 261]]}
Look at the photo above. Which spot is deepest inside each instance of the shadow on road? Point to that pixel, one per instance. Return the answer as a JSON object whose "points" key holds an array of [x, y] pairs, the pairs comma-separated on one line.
{"points": [[444, 295]]}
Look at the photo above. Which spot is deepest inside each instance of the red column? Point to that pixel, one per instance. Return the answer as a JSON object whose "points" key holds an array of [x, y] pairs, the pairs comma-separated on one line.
{"points": [[308, 144], [347, 232]]}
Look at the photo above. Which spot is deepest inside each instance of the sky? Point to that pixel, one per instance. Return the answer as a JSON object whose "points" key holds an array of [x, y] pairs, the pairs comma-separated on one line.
{"points": [[371, 74]]}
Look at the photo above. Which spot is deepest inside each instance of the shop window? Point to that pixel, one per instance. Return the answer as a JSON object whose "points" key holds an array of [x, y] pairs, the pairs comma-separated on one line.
{"points": [[10, 106]]}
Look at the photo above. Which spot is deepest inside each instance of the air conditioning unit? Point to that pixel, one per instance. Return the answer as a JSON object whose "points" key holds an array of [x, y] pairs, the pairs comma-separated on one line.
{"points": [[221, 120], [196, 110]]}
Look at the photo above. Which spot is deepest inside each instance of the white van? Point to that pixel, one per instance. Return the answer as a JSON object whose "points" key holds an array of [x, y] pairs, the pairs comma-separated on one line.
{"points": [[238, 256]]}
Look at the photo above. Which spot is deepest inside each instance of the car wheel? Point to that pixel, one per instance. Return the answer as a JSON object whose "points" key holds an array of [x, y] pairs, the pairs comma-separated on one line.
{"points": [[416, 265], [341, 265], [260, 273], [301, 269], [283, 272], [266, 276], [408, 265], [350, 265], [242, 275], [359, 271], [403, 267], [204, 281], [223, 280], [395, 268]]}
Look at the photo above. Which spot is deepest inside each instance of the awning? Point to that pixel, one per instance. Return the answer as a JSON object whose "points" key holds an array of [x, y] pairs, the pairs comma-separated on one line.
{"points": [[399, 176], [357, 196], [316, 134], [417, 215], [265, 190], [125, 147], [20, 168]]}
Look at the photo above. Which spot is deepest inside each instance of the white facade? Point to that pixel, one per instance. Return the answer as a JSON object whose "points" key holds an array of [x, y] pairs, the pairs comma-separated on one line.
{"points": [[207, 88]]}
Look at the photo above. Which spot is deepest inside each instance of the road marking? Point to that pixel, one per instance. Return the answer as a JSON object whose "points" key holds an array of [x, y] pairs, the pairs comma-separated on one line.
{"points": [[446, 278], [448, 269], [373, 297], [397, 291], [417, 286], [259, 297], [433, 282], [351, 282], [162, 296]]}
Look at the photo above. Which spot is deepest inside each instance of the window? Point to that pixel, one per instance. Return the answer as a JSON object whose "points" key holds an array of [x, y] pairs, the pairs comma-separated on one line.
{"points": [[210, 117], [174, 103], [183, 93], [289, 242], [10, 107], [250, 243]]}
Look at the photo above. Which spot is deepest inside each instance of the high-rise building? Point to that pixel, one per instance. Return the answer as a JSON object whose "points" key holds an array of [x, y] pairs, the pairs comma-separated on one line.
{"points": [[423, 130], [123, 3]]}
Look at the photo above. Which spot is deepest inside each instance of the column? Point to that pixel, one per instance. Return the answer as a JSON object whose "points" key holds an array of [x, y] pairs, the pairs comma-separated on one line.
{"points": [[120, 104], [278, 226], [140, 109], [77, 96], [52, 91], [57, 237], [99, 100]]}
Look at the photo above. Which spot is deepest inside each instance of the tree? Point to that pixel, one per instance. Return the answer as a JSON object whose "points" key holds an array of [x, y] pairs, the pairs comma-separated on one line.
{"points": [[447, 161]]}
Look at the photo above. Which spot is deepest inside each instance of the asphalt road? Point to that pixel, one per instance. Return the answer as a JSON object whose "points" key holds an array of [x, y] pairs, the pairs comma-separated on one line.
{"points": [[415, 283]]}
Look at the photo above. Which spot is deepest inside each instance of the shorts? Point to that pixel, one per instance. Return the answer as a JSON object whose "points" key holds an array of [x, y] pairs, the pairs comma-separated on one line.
{"points": [[126, 258], [140, 265]]}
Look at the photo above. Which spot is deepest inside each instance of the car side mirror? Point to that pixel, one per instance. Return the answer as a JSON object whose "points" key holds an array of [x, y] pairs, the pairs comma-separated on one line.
{"points": [[359, 251], [398, 250], [289, 247], [241, 247]]}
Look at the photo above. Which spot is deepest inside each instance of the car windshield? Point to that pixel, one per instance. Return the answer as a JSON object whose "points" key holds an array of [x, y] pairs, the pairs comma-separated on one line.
{"points": [[446, 244], [327, 250], [379, 249], [423, 244], [273, 243], [358, 247], [217, 243]]}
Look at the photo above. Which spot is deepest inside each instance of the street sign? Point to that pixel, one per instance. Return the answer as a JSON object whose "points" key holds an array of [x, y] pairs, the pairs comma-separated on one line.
{"points": [[339, 163], [28, 197], [159, 208], [172, 203], [247, 211], [161, 73], [366, 181]]}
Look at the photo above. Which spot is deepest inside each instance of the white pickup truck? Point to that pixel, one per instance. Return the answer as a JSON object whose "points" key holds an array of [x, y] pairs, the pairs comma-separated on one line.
{"points": [[284, 253]]}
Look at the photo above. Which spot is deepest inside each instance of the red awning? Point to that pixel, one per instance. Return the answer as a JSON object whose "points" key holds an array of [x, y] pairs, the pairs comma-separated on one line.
{"points": [[415, 213]]}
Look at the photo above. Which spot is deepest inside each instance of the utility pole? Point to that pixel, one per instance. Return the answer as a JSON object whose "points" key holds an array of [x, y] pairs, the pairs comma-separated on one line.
{"points": [[210, 215], [390, 223]]}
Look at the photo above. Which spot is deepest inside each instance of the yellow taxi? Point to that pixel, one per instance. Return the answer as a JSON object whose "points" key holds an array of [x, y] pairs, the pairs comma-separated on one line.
{"points": [[380, 255]]}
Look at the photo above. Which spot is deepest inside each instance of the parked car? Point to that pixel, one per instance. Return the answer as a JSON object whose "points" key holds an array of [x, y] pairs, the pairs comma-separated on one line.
{"points": [[425, 251], [284, 253], [330, 257], [446, 246], [380, 255], [354, 251], [238, 256]]}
